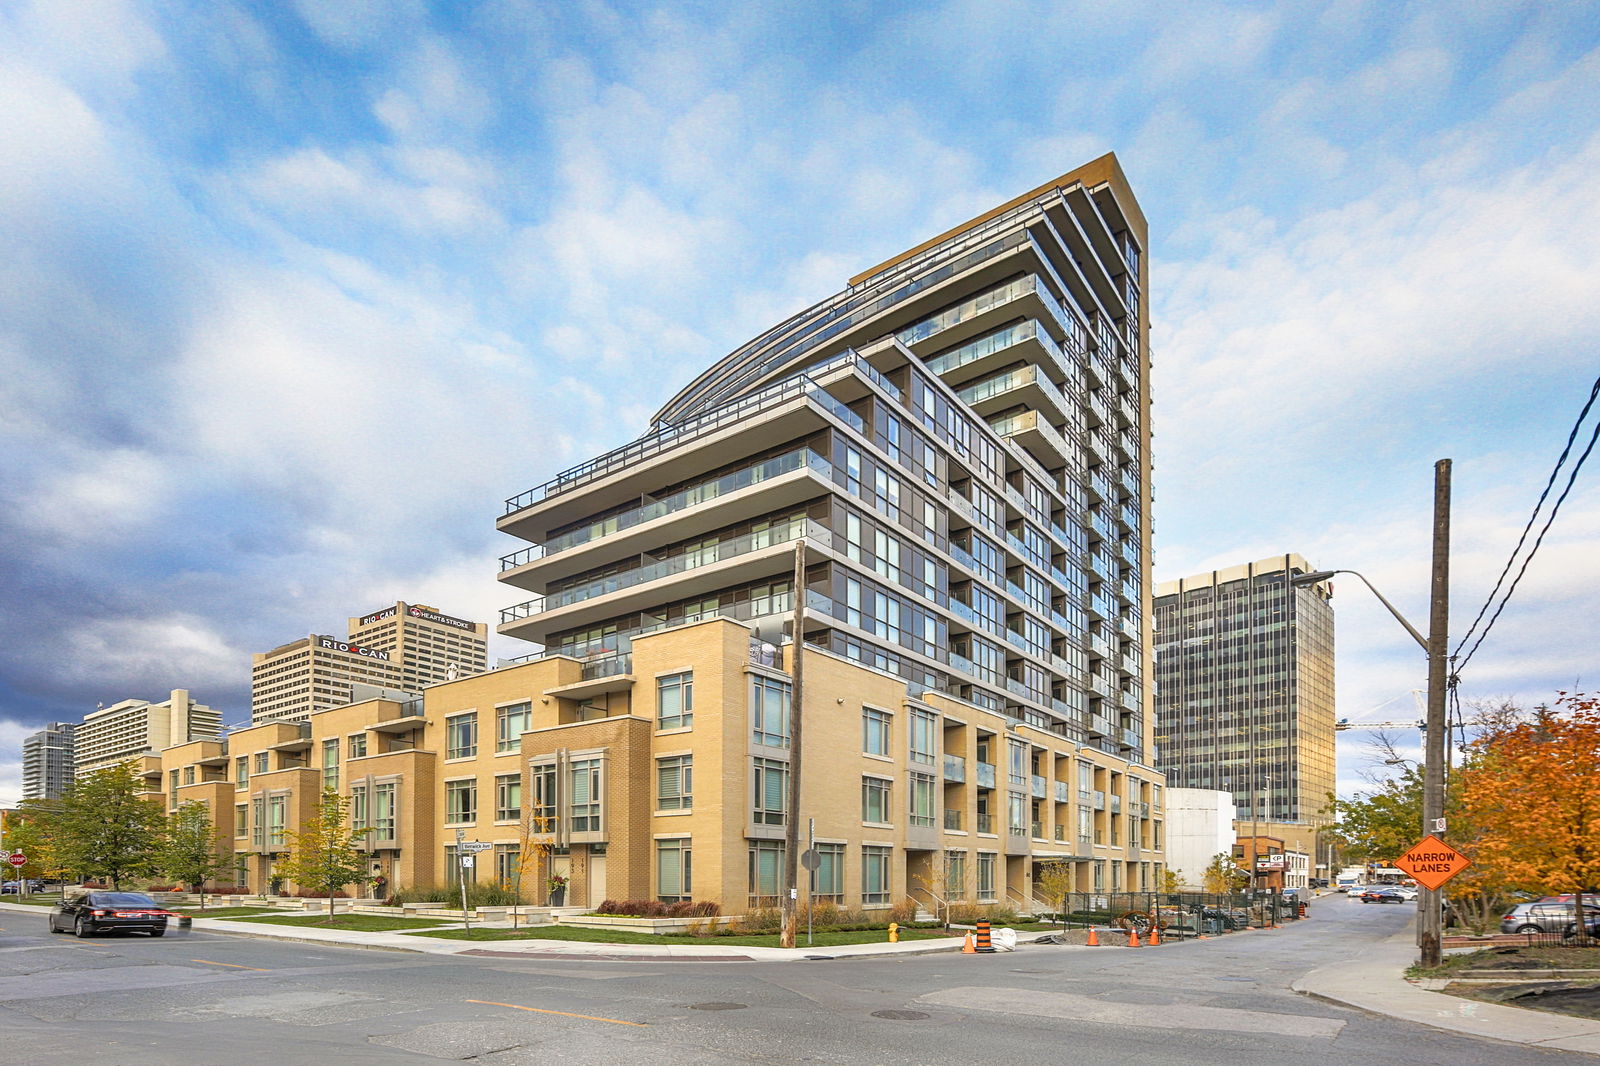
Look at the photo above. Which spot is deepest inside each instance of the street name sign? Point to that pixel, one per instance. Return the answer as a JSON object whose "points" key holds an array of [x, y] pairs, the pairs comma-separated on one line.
{"points": [[472, 846], [1432, 862]]}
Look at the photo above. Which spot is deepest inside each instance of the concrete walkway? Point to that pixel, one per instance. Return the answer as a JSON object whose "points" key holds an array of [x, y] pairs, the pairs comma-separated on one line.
{"points": [[1375, 983]]}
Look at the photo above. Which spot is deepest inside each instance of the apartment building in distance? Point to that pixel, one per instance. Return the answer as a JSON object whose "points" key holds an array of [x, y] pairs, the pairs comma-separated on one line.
{"points": [[134, 728], [956, 449], [393, 651], [1244, 692], [48, 761]]}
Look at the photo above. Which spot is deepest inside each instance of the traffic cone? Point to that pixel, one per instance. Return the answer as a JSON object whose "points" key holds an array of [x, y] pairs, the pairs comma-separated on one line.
{"points": [[1133, 938], [1155, 936], [1094, 941], [967, 946]]}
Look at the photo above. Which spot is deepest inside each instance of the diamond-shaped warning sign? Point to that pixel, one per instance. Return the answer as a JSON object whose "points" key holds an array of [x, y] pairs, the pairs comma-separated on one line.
{"points": [[1432, 862]]}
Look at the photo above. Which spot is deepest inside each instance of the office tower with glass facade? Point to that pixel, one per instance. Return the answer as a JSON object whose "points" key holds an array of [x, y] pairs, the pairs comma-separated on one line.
{"points": [[960, 439], [1244, 688], [47, 761]]}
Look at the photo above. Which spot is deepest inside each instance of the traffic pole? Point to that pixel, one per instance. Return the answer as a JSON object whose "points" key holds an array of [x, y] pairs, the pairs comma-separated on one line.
{"points": [[1430, 923]]}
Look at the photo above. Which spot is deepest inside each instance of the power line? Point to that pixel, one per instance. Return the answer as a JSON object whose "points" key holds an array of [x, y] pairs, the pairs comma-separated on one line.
{"points": [[1555, 509], [1594, 391]]}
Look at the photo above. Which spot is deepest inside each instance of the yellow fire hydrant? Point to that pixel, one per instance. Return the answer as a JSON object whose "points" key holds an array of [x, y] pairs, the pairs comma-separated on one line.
{"points": [[894, 932]]}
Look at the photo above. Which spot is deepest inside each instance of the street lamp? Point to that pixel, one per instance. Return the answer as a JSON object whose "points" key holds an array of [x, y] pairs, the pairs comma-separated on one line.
{"points": [[1436, 645]]}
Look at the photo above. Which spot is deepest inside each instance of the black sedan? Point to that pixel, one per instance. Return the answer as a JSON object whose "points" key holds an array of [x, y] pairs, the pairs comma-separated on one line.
{"points": [[1383, 895], [101, 912]]}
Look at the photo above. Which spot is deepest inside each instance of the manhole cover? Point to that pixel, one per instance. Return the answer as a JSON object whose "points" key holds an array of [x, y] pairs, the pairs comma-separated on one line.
{"points": [[717, 1006], [900, 1015]]}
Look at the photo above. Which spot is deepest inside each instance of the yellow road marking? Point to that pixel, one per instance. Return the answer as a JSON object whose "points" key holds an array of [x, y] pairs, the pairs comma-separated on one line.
{"points": [[564, 1014], [231, 965]]}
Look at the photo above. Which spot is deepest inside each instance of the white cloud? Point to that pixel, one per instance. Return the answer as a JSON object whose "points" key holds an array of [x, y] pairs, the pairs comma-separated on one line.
{"points": [[153, 654]]}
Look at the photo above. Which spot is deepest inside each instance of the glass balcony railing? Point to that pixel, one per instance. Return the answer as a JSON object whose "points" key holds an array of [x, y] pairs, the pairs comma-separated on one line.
{"points": [[955, 768], [1040, 788], [985, 822], [985, 775], [952, 819]]}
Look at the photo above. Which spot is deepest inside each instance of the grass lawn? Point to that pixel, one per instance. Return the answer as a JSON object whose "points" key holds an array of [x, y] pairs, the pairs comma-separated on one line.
{"points": [[222, 912], [1511, 958], [619, 936], [35, 900], [358, 923]]}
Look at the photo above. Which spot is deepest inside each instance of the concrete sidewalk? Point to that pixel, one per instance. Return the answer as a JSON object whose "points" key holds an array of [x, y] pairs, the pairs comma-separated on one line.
{"points": [[1375, 983]]}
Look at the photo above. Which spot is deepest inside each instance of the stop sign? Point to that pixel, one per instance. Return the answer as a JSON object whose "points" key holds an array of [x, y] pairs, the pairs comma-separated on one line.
{"points": [[19, 859]]}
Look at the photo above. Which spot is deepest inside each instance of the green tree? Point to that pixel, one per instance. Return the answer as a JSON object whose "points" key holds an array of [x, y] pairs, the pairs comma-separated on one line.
{"points": [[1224, 876], [29, 830], [193, 850], [1378, 826], [104, 828], [326, 856]]}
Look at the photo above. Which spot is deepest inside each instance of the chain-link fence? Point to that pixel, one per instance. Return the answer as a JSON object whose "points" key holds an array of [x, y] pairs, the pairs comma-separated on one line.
{"points": [[1180, 914]]}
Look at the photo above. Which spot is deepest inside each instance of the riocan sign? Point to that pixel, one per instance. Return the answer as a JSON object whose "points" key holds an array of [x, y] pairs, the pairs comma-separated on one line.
{"points": [[352, 649], [375, 616]]}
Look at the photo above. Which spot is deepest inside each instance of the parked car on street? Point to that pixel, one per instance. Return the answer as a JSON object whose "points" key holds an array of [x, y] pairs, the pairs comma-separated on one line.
{"points": [[101, 912], [1383, 894], [1544, 918], [11, 888]]}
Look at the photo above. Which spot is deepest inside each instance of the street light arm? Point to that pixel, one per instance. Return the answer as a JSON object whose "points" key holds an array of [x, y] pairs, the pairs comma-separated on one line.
{"points": [[1323, 575]]}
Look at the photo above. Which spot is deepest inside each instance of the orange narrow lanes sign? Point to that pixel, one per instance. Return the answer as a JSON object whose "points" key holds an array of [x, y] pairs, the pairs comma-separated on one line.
{"points": [[1432, 862]]}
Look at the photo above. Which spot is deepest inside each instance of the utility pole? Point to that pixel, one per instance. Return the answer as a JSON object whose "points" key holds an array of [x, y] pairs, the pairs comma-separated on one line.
{"points": [[791, 822], [1429, 917]]}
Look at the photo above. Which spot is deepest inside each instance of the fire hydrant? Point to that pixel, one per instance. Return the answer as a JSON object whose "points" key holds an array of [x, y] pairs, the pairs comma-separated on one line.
{"points": [[894, 932]]}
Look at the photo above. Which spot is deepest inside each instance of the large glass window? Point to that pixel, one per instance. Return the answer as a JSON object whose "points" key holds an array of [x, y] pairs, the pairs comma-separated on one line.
{"points": [[675, 783], [542, 806], [277, 821], [241, 820], [955, 875], [674, 870], [460, 801], [874, 874], [675, 701], [461, 736], [923, 744], [876, 728], [359, 814], [827, 880], [508, 797], [261, 761], [770, 780], [875, 800], [330, 764], [985, 875], [585, 781], [241, 771], [258, 823], [769, 712], [921, 799], [509, 725], [766, 872], [384, 820], [358, 745], [508, 865]]}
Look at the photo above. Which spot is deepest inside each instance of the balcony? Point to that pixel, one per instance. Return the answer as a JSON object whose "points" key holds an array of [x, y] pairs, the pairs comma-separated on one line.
{"points": [[1062, 793], [1033, 431], [1039, 789], [955, 768], [985, 774], [1037, 829], [985, 822], [952, 819], [1099, 802]]}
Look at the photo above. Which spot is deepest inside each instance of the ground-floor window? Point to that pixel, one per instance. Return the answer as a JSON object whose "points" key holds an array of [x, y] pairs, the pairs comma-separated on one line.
{"points": [[508, 866], [986, 875], [674, 870], [453, 870], [766, 872], [827, 881], [875, 874], [955, 875]]}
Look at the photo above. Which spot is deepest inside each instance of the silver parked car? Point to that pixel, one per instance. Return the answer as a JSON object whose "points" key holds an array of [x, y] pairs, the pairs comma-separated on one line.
{"points": [[1543, 918]]}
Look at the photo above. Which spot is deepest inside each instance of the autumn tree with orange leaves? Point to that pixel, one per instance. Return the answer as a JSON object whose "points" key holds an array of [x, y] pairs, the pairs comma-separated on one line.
{"points": [[1532, 794]]}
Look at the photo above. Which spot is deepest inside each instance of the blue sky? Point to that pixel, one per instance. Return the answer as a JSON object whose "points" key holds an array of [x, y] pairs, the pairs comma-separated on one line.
{"points": [[296, 293]]}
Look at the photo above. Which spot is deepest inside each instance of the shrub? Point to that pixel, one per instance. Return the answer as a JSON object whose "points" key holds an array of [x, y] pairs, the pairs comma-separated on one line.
{"points": [[311, 893], [904, 912], [164, 888], [229, 890], [477, 895], [654, 908]]}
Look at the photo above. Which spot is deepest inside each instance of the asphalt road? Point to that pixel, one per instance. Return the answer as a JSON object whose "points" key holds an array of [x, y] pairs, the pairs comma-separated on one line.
{"points": [[197, 999]]}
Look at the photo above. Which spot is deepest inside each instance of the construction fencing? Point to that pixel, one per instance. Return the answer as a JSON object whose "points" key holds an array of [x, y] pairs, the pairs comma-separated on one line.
{"points": [[1179, 914]]}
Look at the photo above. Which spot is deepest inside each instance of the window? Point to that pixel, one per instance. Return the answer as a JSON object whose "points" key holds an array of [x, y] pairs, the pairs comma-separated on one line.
{"points": [[507, 797], [454, 872], [766, 872], [922, 740], [277, 821], [584, 777], [921, 799], [674, 870], [241, 820], [330, 764], [509, 725], [675, 783], [542, 811], [955, 874], [188, 775], [261, 761], [461, 736], [358, 808], [769, 712], [874, 874], [1017, 753], [675, 701], [241, 771], [1016, 814], [384, 819], [258, 823], [172, 789], [507, 865], [985, 875], [827, 880], [875, 800], [876, 726], [460, 801], [771, 786], [358, 746]]}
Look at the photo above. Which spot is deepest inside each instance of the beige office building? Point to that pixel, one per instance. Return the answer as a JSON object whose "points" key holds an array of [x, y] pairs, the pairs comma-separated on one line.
{"points": [[137, 727], [393, 651]]}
